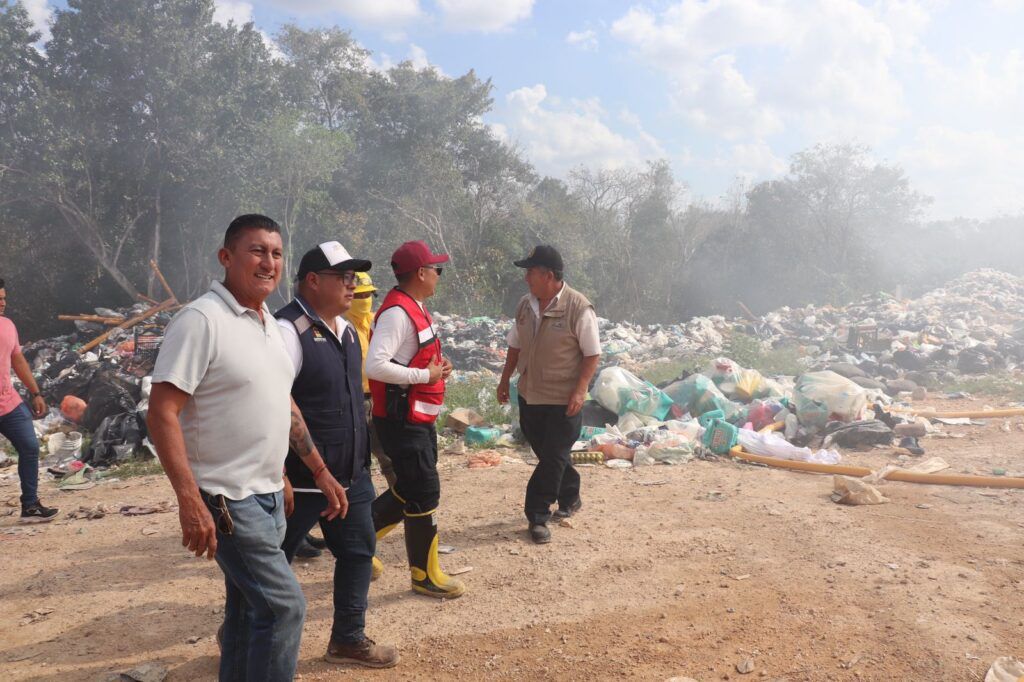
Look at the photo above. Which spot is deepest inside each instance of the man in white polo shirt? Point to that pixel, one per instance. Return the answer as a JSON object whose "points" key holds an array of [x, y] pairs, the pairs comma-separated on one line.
{"points": [[222, 418]]}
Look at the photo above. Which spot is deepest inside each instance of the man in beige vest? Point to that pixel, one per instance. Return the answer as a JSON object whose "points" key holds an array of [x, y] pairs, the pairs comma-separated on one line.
{"points": [[554, 346]]}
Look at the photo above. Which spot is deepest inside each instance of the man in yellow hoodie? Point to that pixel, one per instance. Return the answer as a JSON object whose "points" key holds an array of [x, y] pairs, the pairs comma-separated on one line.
{"points": [[360, 316]]}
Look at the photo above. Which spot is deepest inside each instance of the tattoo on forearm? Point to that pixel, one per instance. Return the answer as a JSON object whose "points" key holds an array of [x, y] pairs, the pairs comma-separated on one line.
{"points": [[299, 439]]}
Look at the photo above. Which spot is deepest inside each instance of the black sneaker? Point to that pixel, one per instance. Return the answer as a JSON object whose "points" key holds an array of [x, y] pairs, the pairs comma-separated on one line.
{"points": [[540, 533], [314, 541], [569, 511], [307, 551], [37, 513]]}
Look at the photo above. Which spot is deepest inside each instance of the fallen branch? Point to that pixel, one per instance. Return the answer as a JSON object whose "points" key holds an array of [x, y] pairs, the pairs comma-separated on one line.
{"points": [[163, 282], [127, 324], [102, 319]]}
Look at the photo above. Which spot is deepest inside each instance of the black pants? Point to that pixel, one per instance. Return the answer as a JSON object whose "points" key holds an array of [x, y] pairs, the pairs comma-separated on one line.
{"points": [[413, 452], [551, 434]]}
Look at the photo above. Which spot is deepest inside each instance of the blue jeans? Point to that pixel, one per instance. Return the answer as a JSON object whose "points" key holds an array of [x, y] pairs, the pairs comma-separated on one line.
{"points": [[264, 608], [352, 541], [16, 426]]}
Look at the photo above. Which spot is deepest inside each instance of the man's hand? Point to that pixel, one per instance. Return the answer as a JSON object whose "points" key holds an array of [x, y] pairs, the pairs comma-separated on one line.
{"points": [[503, 394], [575, 403], [337, 500], [198, 532], [38, 406], [436, 370], [289, 498], [446, 368]]}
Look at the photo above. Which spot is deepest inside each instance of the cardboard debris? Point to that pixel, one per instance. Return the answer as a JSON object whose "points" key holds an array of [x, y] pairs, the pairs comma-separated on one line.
{"points": [[854, 492]]}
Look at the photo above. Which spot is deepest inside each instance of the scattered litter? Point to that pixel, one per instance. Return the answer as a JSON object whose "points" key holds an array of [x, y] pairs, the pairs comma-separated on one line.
{"points": [[851, 491], [930, 466], [485, 459], [460, 570], [462, 418], [159, 508], [1005, 669], [150, 530], [147, 672], [745, 667], [445, 549], [35, 616]]}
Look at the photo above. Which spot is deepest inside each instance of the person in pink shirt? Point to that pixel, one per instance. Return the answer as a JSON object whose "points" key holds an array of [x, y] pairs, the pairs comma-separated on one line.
{"points": [[16, 419]]}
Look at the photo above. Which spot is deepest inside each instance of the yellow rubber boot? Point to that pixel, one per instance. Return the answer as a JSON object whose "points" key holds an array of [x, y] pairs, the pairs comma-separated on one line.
{"points": [[424, 566], [387, 513]]}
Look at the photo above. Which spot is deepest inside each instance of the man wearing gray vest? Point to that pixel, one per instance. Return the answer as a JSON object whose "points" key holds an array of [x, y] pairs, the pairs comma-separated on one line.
{"points": [[554, 345]]}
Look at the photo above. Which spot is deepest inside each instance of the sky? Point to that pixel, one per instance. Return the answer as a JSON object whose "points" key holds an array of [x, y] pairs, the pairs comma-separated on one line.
{"points": [[725, 90]]}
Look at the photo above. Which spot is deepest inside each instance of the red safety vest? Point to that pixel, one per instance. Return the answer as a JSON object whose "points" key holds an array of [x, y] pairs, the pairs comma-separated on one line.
{"points": [[425, 400]]}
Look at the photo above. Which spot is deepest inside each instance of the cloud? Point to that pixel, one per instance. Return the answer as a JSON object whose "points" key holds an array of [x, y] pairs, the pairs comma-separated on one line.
{"points": [[40, 14], [557, 137], [753, 161], [378, 13], [225, 11], [753, 68], [585, 40], [485, 16], [418, 57], [976, 173]]}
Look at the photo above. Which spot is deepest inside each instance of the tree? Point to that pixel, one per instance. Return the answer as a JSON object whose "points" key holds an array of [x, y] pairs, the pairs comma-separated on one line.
{"points": [[814, 233], [304, 158]]}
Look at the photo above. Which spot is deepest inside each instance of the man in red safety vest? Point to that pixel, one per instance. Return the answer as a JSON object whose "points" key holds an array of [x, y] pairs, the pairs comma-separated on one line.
{"points": [[407, 374]]}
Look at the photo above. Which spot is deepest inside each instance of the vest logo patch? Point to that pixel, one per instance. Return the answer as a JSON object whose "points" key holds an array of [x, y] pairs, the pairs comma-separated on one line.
{"points": [[318, 335]]}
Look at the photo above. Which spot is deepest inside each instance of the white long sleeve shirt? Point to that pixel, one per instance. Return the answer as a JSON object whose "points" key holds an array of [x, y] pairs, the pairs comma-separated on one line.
{"points": [[394, 337]]}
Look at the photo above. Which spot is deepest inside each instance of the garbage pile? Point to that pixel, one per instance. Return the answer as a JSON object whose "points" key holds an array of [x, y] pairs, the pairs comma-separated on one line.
{"points": [[875, 349], [972, 325], [101, 392]]}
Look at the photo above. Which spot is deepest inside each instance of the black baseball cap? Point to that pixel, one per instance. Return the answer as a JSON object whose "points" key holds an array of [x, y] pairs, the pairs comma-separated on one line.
{"points": [[330, 256], [544, 255]]}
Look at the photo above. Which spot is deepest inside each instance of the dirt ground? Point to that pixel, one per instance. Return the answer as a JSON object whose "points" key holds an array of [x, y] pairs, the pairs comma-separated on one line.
{"points": [[667, 571]]}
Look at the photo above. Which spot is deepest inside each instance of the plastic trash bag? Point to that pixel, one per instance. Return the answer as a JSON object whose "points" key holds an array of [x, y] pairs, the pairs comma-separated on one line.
{"points": [[697, 394], [821, 397], [621, 392], [770, 444], [740, 384]]}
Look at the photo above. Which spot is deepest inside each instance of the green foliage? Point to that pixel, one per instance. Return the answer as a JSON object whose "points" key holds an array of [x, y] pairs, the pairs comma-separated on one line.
{"points": [[751, 353], [1007, 386], [138, 467], [479, 395]]}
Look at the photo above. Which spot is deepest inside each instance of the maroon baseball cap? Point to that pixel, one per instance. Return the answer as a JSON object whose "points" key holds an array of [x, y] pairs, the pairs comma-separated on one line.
{"points": [[412, 255]]}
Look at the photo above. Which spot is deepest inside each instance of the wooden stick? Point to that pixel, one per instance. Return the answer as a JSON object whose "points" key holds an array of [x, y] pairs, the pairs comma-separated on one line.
{"points": [[163, 282], [147, 299], [166, 305], [92, 318], [746, 311]]}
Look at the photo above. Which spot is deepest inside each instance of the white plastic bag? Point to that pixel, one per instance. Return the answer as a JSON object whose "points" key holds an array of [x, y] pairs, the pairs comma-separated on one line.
{"points": [[769, 444]]}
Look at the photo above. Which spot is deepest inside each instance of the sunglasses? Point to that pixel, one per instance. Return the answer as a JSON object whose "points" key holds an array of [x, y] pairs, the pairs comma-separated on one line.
{"points": [[346, 277], [225, 524], [435, 269]]}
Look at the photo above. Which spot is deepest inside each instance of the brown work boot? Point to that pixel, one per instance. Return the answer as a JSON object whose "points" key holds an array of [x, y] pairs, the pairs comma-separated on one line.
{"points": [[366, 653]]}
